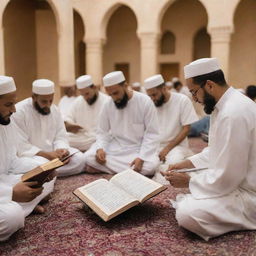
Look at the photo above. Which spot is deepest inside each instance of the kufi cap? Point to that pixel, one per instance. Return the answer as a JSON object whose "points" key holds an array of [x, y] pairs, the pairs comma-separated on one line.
{"points": [[7, 85], [113, 78], [201, 67], [175, 79], [43, 87], [136, 84], [153, 81], [84, 82], [169, 84]]}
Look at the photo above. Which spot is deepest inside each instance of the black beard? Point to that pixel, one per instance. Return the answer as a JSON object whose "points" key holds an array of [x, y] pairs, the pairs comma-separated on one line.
{"points": [[160, 101], [43, 111], [93, 99], [4, 121], [209, 103], [123, 102]]}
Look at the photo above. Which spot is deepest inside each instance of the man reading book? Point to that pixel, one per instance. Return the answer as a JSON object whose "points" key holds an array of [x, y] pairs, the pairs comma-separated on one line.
{"points": [[43, 128], [17, 199]]}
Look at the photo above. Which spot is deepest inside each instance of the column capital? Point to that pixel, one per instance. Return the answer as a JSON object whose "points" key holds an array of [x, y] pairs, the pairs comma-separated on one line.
{"points": [[220, 34], [148, 39]]}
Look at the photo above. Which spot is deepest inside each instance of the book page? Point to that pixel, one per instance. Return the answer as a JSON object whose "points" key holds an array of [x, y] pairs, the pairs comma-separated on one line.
{"points": [[106, 196], [136, 184]]}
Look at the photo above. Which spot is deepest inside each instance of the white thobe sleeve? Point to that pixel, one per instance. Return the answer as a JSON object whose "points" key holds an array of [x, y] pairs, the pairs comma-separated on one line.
{"points": [[201, 160], [60, 140], [188, 113], [103, 136], [151, 138], [229, 160]]}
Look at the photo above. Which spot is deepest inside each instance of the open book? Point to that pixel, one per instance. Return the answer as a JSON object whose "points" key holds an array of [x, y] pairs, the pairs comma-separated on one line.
{"points": [[123, 191]]}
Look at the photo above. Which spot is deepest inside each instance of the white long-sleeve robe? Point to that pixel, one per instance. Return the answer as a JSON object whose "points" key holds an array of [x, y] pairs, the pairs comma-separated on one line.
{"points": [[223, 197], [45, 133], [177, 112], [125, 134], [12, 214], [65, 104], [87, 116]]}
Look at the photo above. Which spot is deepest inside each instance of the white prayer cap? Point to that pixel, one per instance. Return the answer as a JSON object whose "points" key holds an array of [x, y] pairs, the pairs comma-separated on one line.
{"points": [[169, 84], [175, 79], [84, 82], [113, 78], [153, 81], [201, 67], [7, 85], [136, 84], [43, 87]]}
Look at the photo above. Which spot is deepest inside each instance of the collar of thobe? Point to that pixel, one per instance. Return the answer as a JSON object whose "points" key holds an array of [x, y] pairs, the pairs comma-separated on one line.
{"points": [[224, 98]]}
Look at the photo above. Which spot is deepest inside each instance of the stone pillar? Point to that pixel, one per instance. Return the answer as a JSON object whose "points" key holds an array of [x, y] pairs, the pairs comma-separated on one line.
{"points": [[94, 59], [149, 54], [220, 45]]}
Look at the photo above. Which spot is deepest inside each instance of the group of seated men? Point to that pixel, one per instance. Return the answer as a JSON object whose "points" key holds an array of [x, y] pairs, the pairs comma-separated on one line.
{"points": [[127, 129]]}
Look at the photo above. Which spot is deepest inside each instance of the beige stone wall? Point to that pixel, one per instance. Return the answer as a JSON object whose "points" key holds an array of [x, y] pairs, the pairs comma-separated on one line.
{"points": [[122, 45], [243, 46]]}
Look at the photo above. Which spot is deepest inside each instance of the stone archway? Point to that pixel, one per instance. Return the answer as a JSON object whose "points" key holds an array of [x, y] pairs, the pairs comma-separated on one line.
{"points": [[30, 43], [201, 44]]}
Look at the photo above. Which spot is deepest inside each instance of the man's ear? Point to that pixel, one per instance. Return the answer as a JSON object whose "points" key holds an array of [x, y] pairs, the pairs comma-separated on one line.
{"points": [[210, 85]]}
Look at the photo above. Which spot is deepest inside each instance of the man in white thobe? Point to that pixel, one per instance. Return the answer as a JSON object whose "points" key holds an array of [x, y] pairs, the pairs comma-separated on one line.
{"points": [[82, 118], [223, 197], [17, 199], [175, 114], [128, 134], [67, 100], [43, 129]]}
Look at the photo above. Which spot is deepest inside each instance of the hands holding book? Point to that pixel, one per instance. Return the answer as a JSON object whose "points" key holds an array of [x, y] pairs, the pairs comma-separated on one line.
{"points": [[58, 153]]}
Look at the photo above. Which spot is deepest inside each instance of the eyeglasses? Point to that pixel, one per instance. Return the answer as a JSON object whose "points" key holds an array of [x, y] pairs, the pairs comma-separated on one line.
{"points": [[194, 93]]}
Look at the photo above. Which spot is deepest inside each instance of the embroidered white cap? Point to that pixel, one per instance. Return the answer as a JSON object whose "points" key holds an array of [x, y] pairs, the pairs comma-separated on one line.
{"points": [[113, 78], [43, 87], [153, 81], [201, 67], [136, 84], [7, 85], [84, 82]]}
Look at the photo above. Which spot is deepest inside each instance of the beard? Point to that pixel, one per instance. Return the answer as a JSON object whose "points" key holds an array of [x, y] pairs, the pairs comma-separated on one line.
{"points": [[209, 103], [43, 111], [3, 120], [160, 101], [123, 102], [93, 99]]}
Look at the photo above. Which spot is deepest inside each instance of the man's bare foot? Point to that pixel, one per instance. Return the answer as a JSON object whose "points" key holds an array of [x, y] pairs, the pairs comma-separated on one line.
{"points": [[39, 209], [89, 169]]}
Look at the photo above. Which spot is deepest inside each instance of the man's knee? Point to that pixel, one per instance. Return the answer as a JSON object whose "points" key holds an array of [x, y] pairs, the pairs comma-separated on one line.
{"points": [[11, 219]]}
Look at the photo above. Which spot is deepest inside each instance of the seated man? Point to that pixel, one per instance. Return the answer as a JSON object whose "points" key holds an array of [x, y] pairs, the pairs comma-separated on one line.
{"points": [[17, 199], [83, 116], [222, 198], [251, 92], [43, 128], [175, 114], [128, 133]]}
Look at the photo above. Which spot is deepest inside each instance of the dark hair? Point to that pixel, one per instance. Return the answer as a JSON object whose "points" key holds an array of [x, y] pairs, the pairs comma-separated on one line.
{"points": [[251, 91], [216, 76], [177, 84]]}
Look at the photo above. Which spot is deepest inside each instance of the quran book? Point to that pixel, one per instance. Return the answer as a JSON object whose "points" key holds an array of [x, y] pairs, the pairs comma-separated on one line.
{"points": [[109, 198]]}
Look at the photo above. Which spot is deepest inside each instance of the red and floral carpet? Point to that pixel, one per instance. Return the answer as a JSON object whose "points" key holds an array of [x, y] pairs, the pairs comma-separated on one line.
{"points": [[149, 229]]}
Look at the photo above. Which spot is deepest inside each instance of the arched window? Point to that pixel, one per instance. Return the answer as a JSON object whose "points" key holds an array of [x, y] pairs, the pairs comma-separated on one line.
{"points": [[202, 44], [168, 43]]}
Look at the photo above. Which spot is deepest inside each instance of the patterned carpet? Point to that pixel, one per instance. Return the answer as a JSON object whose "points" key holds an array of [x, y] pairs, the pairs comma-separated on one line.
{"points": [[148, 229]]}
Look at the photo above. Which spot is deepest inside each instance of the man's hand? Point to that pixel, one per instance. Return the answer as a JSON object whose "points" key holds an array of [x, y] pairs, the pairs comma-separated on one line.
{"points": [[177, 180], [51, 176], [48, 155], [73, 128], [186, 164], [163, 154], [100, 156], [23, 191], [137, 164]]}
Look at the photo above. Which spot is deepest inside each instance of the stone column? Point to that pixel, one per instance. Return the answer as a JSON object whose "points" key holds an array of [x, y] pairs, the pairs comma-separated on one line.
{"points": [[94, 59], [149, 54], [220, 45]]}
